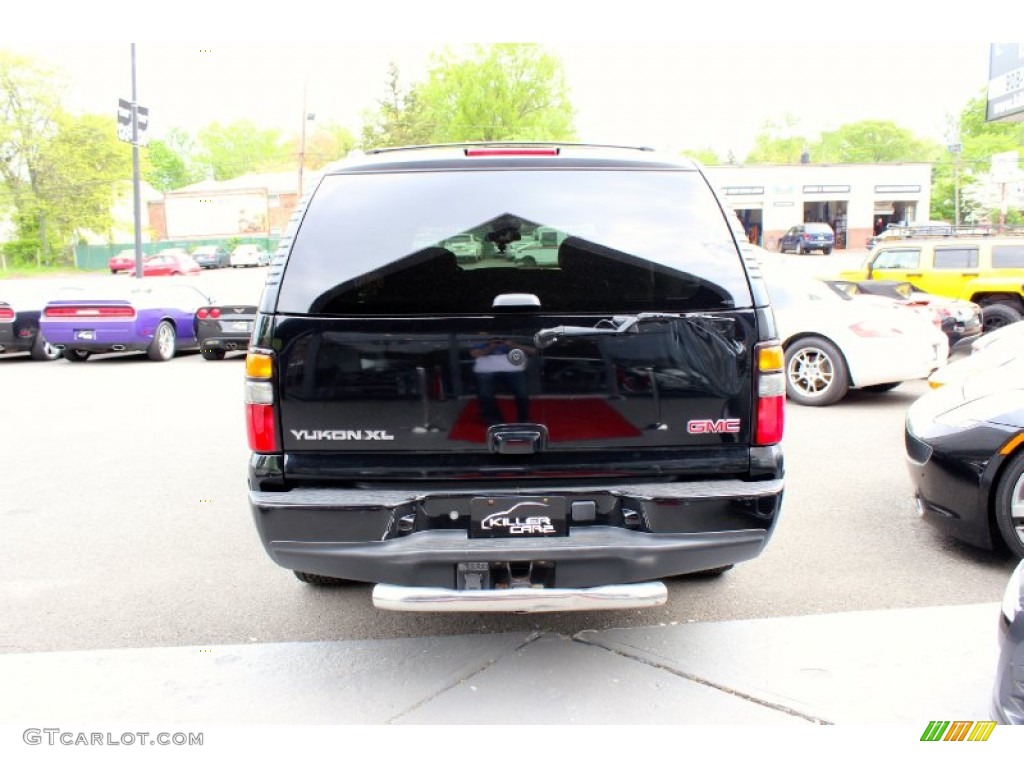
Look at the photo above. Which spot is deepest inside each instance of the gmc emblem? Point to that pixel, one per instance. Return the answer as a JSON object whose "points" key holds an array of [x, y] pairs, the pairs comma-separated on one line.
{"points": [[706, 426]]}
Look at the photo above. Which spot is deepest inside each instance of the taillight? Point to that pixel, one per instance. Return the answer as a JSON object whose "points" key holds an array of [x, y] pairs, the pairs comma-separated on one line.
{"points": [[512, 152], [260, 407], [121, 312], [771, 394], [202, 313], [6, 313], [214, 313]]}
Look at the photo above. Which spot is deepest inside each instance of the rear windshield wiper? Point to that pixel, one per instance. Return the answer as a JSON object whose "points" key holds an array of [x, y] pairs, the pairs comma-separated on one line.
{"points": [[614, 326]]}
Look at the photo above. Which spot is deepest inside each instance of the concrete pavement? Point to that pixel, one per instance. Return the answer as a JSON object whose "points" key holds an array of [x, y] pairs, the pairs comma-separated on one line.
{"points": [[891, 667]]}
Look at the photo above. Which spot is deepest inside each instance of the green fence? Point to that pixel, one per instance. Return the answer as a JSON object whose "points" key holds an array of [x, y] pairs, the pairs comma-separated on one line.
{"points": [[95, 257]]}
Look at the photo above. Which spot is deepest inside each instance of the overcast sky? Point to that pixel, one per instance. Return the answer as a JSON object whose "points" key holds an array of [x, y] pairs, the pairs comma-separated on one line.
{"points": [[629, 85]]}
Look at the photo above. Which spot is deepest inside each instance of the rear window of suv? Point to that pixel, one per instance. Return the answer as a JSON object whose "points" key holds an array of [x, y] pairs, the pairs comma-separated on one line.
{"points": [[631, 240]]}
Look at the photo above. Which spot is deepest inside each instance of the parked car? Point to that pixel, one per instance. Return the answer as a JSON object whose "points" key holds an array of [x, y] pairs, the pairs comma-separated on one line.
{"points": [[170, 262], [223, 328], [834, 343], [804, 238], [1005, 351], [211, 257], [966, 460], [250, 256], [20, 308], [986, 270], [122, 262], [540, 248], [466, 247], [375, 459], [158, 319], [1008, 692], [960, 320]]}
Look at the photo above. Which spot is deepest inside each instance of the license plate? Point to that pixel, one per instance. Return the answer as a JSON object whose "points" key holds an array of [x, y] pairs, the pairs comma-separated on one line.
{"points": [[85, 335], [241, 325], [517, 517]]}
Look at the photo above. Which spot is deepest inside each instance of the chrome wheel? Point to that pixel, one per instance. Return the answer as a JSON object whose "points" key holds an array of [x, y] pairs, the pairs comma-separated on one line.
{"points": [[163, 344], [815, 372]]}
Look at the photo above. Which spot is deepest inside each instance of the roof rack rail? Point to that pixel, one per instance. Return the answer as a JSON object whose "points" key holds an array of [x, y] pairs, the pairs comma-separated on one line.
{"points": [[508, 143], [934, 232]]}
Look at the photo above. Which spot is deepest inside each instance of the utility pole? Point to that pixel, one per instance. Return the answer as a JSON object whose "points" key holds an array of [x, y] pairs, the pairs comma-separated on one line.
{"points": [[955, 148], [306, 117], [136, 191]]}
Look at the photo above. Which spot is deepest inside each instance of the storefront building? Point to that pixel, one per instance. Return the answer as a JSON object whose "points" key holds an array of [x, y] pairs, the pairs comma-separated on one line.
{"points": [[858, 201]]}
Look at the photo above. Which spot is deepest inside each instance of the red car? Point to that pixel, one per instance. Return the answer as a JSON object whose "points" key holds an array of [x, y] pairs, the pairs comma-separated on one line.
{"points": [[169, 262], [122, 262]]}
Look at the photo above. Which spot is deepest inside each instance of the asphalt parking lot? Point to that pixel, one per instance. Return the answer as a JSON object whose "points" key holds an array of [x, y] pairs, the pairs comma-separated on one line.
{"points": [[129, 555]]}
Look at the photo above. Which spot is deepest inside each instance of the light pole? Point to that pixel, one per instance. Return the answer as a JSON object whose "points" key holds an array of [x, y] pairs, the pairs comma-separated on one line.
{"points": [[306, 117]]}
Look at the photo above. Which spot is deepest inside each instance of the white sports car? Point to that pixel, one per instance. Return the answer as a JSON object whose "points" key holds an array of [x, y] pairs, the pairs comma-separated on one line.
{"points": [[835, 342]]}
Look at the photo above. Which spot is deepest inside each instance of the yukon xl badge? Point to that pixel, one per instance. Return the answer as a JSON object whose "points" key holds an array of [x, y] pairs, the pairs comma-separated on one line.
{"points": [[517, 517], [342, 434]]}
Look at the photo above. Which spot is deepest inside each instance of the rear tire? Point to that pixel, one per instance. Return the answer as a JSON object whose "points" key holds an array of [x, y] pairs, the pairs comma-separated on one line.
{"points": [[43, 350], [76, 355], [997, 316], [321, 581], [826, 251], [815, 372]]}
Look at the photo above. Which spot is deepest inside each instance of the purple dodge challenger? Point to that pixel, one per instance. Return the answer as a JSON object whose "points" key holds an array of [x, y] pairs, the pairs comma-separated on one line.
{"points": [[155, 319]]}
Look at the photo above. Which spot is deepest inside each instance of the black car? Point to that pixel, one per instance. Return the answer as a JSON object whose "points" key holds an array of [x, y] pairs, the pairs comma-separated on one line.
{"points": [[965, 453], [19, 330], [1008, 692], [503, 436], [223, 328]]}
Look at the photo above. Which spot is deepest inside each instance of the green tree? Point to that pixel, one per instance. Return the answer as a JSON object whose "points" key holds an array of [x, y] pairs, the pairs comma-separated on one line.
{"points": [[704, 156], [872, 141], [498, 92], [29, 101], [60, 174], [170, 163], [241, 147], [979, 140], [324, 144], [778, 144], [397, 122], [82, 171], [502, 91]]}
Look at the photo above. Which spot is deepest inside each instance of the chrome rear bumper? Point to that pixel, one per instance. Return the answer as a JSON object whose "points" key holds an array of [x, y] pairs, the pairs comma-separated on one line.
{"points": [[519, 599]]}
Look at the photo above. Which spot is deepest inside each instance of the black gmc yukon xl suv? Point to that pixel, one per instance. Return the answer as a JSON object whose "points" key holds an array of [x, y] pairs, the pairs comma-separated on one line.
{"points": [[520, 434]]}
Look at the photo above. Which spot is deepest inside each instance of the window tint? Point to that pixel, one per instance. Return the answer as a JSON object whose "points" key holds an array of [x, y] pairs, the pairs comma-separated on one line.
{"points": [[897, 258], [579, 240], [956, 258], [1006, 256]]}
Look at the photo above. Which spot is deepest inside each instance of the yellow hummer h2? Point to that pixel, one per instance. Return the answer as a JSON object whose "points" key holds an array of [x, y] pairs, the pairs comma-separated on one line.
{"points": [[988, 270]]}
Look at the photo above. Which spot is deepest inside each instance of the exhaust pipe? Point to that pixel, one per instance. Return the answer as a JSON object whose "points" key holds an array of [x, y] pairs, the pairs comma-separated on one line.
{"points": [[118, 347], [231, 346]]}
